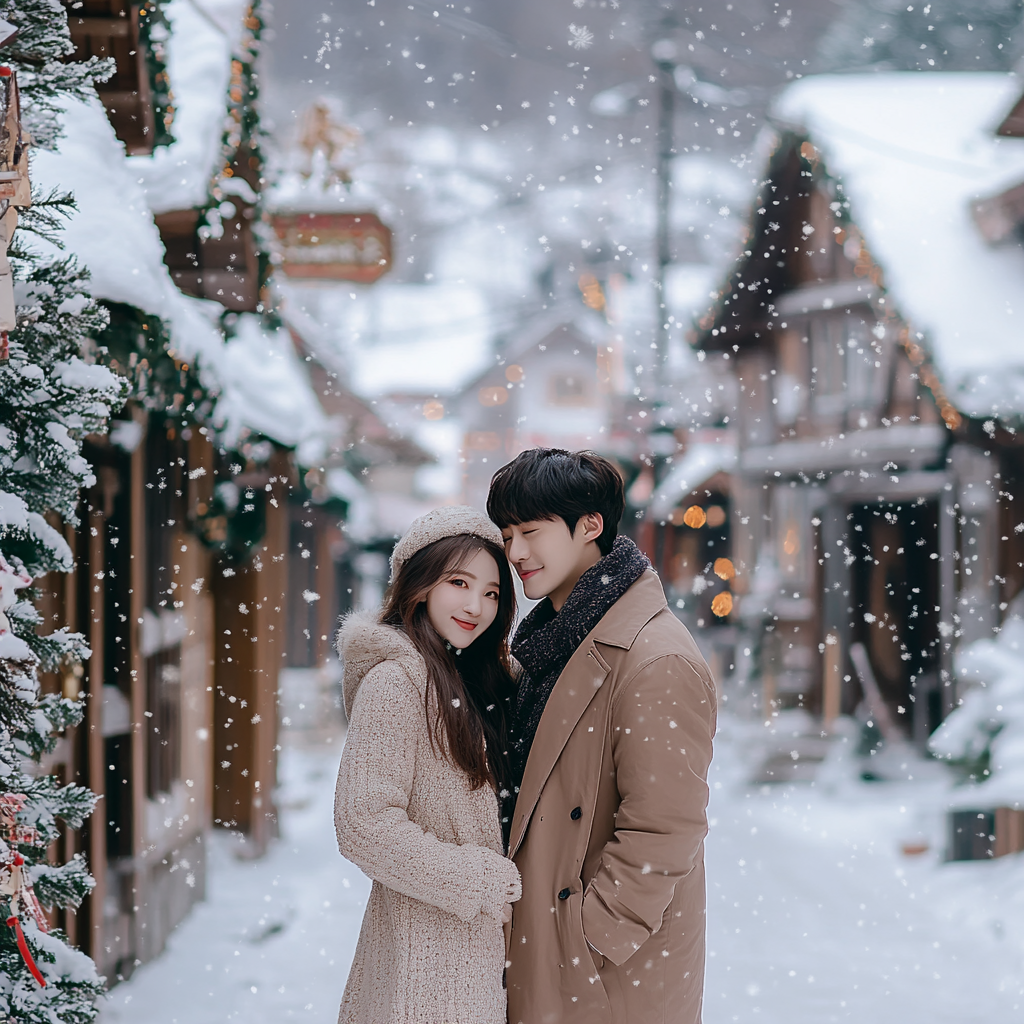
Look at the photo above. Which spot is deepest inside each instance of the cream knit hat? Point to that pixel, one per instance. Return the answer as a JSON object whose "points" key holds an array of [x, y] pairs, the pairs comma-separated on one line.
{"points": [[449, 521]]}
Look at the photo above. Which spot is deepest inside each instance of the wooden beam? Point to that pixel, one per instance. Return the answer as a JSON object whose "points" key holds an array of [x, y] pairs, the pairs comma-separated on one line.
{"points": [[136, 662], [94, 730], [88, 25]]}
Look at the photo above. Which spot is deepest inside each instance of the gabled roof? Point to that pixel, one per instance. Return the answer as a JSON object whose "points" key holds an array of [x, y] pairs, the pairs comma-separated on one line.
{"points": [[914, 152], [701, 461], [570, 316]]}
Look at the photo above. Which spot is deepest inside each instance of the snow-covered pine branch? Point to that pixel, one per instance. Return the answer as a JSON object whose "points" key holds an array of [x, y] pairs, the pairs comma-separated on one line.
{"points": [[53, 393]]}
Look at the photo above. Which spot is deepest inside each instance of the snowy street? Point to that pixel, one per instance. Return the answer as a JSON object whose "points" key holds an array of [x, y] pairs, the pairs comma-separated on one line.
{"points": [[275, 937], [814, 914]]}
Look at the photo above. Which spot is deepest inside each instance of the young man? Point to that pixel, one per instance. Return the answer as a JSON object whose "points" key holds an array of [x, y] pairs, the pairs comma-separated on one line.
{"points": [[611, 741]]}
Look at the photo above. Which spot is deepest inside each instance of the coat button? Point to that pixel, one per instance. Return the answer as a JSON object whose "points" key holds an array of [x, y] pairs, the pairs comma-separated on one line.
{"points": [[564, 894], [576, 813]]}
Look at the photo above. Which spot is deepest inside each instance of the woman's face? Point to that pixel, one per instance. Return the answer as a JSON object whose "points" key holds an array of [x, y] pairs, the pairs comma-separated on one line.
{"points": [[464, 603]]}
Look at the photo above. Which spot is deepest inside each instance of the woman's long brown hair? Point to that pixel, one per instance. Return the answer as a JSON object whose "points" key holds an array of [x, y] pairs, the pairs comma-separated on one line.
{"points": [[472, 691]]}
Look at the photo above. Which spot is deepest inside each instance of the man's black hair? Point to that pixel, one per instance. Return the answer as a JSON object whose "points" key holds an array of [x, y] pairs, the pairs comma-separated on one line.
{"points": [[549, 483]]}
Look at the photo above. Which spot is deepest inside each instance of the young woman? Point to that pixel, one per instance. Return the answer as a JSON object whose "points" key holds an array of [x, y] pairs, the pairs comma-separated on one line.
{"points": [[427, 685]]}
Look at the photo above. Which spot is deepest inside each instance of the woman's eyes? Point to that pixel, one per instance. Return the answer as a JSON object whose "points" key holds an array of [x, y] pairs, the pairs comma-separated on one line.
{"points": [[458, 582]]}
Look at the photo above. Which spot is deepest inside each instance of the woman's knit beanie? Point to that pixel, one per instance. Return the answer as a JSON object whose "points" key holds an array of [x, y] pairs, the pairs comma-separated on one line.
{"points": [[449, 521]]}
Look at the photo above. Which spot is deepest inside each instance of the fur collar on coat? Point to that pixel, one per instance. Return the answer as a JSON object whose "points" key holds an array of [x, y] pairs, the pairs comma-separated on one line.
{"points": [[364, 642]]}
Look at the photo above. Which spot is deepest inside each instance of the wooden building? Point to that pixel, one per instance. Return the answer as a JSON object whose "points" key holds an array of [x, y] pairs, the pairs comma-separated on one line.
{"points": [[553, 385], [878, 477], [182, 572], [688, 526], [111, 29], [181, 689]]}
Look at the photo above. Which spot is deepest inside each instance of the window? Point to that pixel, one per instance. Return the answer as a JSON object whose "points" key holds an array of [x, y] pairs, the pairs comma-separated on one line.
{"points": [[862, 373], [163, 701], [828, 359], [569, 389]]}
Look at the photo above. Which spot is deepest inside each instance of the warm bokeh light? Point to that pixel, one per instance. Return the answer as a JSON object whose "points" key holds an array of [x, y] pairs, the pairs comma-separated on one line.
{"points": [[493, 396], [593, 294], [716, 516], [514, 373], [791, 543], [695, 517], [724, 569], [433, 409], [722, 604]]}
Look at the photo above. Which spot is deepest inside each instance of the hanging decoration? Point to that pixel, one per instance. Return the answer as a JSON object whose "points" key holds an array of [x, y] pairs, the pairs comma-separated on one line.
{"points": [[15, 193], [14, 883]]}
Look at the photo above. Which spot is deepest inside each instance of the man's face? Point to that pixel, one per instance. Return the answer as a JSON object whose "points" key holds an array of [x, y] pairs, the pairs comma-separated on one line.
{"points": [[548, 558]]}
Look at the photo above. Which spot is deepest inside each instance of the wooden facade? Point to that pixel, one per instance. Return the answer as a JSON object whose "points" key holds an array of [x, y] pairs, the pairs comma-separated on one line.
{"points": [[224, 268], [180, 732], [110, 28], [866, 508], [553, 387]]}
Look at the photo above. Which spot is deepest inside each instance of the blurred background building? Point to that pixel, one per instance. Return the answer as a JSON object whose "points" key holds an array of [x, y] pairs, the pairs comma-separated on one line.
{"points": [[766, 256]]}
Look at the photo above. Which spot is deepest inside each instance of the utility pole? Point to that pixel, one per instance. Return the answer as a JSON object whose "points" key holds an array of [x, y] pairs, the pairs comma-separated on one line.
{"points": [[665, 54]]}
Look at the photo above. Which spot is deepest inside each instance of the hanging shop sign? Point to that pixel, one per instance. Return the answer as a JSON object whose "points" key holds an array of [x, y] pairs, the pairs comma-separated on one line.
{"points": [[334, 246]]}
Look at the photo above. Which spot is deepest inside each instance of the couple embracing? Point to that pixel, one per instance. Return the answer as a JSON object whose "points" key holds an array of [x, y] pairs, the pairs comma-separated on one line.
{"points": [[532, 814]]}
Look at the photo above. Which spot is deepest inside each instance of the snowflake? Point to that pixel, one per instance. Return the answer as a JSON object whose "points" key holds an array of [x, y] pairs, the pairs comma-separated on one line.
{"points": [[582, 37], [578, 3]]}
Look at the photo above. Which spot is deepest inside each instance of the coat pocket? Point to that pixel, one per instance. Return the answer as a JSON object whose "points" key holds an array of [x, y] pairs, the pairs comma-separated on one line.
{"points": [[583, 993]]}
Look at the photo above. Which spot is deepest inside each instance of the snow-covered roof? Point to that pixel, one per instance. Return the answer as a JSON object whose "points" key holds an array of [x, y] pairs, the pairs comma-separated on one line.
{"points": [[113, 234], [701, 461], [267, 390], [914, 151], [205, 35]]}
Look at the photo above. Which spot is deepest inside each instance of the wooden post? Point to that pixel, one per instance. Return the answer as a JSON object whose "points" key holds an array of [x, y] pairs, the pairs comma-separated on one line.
{"points": [[947, 598], [94, 731], [251, 604], [70, 686], [136, 662], [1009, 831], [833, 685], [768, 685]]}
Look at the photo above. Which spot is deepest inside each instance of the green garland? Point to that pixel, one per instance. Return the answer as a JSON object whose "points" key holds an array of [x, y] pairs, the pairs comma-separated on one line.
{"points": [[242, 159], [138, 346], [153, 32]]}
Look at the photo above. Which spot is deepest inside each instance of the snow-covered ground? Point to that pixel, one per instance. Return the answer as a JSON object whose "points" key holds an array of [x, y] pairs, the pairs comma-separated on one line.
{"points": [[814, 914], [275, 937]]}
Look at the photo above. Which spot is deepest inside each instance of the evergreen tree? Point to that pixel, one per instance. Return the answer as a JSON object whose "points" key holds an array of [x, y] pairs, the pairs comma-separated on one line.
{"points": [[50, 398], [936, 35]]}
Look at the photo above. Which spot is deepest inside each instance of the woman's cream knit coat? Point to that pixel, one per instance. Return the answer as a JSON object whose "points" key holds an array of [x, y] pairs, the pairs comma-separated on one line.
{"points": [[431, 949]]}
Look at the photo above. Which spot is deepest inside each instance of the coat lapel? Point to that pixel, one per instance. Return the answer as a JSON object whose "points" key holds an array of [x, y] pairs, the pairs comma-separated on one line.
{"points": [[579, 683], [577, 686]]}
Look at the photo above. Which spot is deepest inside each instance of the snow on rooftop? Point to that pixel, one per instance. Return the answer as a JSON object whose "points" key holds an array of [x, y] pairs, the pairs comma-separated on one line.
{"points": [[266, 389], [701, 461], [407, 339], [913, 151], [113, 234], [205, 34]]}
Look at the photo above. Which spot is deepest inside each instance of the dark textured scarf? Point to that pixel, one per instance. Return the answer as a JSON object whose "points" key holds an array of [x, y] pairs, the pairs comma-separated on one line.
{"points": [[546, 640]]}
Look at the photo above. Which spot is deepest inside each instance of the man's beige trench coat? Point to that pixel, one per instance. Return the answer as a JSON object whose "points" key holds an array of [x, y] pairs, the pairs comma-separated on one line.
{"points": [[609, 829]]}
